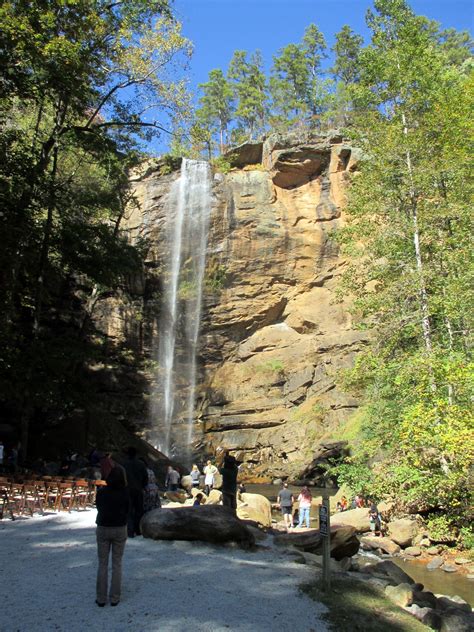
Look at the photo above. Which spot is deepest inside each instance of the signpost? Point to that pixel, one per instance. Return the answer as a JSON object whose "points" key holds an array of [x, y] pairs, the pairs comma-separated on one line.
{"points": [[325, 531]]}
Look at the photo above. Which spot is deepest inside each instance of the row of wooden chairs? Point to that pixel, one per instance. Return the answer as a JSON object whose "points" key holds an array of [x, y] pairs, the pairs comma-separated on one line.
{"points": [[30, 496]]}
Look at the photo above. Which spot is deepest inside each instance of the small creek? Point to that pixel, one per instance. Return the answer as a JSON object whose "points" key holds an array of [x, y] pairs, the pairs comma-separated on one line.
{"points": [[436, 581]]}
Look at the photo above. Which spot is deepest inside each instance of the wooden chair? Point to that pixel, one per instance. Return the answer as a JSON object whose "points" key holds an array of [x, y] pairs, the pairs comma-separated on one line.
{"points": [[51, 493], [32, 499], [81, 494], [7, 504], [65, 500]]}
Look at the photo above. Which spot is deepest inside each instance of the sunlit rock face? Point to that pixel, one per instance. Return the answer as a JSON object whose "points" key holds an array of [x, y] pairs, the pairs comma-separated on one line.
{"points": [[273, 335]]}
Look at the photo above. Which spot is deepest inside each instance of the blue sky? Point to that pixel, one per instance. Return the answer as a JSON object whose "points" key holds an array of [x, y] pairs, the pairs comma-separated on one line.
{"points": [[219, 27]]}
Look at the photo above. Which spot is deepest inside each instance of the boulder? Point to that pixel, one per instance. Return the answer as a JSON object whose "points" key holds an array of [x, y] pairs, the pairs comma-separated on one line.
{"points": [[214, 498], [344, 542], [385, 544], [461, 561], [387, 568], [401, 595], [402, 531], [432, 619], [435, 563], [357, 518], [194, 492], [426, 615], [448, 603], [434, 550], [457, 621], [255, 507], [414, 551], [245, 154], [207, 523], [449, 568], [424, 599], [187, 483]]}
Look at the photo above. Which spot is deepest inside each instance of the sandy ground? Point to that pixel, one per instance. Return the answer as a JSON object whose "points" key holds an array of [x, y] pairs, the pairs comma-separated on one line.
{"points": [[47, 583]]}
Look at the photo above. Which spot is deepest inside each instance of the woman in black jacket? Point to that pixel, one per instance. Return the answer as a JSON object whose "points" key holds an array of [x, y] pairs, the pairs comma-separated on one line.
{"points": [[112, 510]]}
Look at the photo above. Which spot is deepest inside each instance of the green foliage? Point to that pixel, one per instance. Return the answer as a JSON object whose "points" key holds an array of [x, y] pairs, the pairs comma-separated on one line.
{"points": [[272, 366], [466, 538], [216, 106], [441, 528], [249, 88], [221, 164], [408, 241], [216, 277], [347, 49], [298, 91], [76, 78]]}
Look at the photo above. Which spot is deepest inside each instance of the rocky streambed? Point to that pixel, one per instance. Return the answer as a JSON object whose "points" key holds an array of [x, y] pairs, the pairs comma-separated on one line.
{"points": [[379, 562]]}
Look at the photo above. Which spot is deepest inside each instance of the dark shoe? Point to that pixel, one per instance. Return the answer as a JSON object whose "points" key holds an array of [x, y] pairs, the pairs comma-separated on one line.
{"points": [[101, 605], [114, 603]]}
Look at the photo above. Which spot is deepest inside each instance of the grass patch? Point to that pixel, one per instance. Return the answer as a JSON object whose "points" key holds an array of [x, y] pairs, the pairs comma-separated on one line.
{"points": [[354, 605]]}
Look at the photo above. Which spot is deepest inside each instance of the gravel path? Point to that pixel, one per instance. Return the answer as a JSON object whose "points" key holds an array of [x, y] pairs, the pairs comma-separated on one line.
{"points": [[47, 583]]}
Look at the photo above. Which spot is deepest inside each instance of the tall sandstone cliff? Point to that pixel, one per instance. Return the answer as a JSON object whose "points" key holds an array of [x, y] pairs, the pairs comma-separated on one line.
{"points": [[274, 335]]}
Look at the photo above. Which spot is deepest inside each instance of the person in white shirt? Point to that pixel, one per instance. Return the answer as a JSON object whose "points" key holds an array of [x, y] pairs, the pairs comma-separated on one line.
{"points": [[209, 471]]}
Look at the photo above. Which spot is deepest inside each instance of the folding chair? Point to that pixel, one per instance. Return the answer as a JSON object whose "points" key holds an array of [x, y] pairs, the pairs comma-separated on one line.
{"points": [[65, 500], [81, 494], [31, 498], [6, 502]]}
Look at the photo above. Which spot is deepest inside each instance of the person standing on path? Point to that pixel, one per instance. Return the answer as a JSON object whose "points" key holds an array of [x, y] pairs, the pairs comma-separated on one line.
{"points": [[172, 479], [137, 477], [285, 500], [195, 475], [304, 500], [151, 495], [229, 472], [209, 471], [112, 513]]}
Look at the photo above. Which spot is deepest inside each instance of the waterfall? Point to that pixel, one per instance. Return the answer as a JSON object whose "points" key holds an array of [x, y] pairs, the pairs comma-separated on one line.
{"points": [[187, 225]]}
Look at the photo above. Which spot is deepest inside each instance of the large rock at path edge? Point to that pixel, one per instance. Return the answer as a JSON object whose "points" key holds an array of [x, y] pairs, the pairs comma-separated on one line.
{"points": [[388, 569], [358, 518], [344, 542], [402, 531], [208, 523], [384, 544], [255, 507]]}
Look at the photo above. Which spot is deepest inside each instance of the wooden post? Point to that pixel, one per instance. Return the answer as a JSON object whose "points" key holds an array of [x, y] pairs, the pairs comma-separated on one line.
{"points": [[325, 531]]}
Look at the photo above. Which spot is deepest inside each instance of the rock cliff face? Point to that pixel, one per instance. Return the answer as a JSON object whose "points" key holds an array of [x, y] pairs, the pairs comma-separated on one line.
{"points": [[273, 333]]}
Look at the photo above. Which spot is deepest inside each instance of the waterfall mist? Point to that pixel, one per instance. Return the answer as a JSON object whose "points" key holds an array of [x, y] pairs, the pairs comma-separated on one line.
{"points": [[184, 260]]}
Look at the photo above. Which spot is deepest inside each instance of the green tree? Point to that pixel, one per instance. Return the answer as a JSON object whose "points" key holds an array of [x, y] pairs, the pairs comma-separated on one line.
{"points": [[81, 84], [346, 50], [296, 85], [215, 109], [407, 236], [249, 86], [288, 85]]}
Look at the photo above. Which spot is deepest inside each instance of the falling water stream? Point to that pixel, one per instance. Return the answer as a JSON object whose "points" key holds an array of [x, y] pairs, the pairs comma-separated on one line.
{"points": [[187, 226]]}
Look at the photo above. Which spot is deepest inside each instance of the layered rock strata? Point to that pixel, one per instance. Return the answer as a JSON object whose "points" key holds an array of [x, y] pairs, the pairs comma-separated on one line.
{"points": [[274, 333]]}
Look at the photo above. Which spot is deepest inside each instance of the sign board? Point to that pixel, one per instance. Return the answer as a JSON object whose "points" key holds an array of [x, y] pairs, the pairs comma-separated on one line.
{"points": [[323, 520]]}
